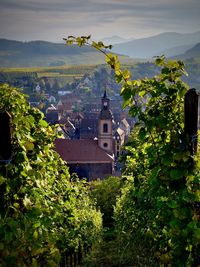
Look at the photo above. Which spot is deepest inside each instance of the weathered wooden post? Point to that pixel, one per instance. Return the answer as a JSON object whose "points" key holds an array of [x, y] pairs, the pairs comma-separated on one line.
{"points": [[191, 111], [5, 150], [192, 125], [5, 137]]}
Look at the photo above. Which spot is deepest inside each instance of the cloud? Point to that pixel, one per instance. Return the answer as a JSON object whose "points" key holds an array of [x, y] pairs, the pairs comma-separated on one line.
{"points": [[97, 5], [48, 19]]}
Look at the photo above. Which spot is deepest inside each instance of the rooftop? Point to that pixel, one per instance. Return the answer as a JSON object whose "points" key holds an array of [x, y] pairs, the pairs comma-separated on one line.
{"points": [[81, 151]]}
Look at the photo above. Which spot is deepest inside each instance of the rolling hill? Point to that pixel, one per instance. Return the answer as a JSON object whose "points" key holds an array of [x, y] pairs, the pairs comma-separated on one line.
{"points": [[194, 52], [42, 53], [115, 40], [156, 45], [177, 50]]}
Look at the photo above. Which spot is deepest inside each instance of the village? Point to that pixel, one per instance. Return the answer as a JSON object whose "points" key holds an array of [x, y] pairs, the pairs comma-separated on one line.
{"points": [[93, 124], [93, 139], [92, 133]]}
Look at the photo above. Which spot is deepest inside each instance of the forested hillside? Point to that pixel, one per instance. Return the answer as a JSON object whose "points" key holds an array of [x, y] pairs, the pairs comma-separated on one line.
{"points": [[193, 53], [42, 53]]}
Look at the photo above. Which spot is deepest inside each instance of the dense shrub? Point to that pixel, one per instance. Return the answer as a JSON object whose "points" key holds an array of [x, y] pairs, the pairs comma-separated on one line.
{"points": [[157, 217], [43, 213], [104, 193]]}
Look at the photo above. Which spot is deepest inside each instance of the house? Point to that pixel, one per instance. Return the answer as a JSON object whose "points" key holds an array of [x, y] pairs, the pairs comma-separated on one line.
{"points": [[52, 115], [67, 127], [52, 99], [119, 139], [89, 128], [67, 103], [85, 158], [38, 88], [124, 125]]}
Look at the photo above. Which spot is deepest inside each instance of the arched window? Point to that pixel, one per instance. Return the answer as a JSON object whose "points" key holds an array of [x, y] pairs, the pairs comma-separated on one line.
{"points": [[105, 127]]}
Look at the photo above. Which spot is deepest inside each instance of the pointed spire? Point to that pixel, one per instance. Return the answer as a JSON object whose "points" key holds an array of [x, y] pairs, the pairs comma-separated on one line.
{"points": [[105, 107], [105, 101], [105, 94]]}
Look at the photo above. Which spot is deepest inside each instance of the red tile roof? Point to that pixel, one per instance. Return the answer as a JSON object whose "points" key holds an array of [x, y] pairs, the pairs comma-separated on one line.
{"points": [[81, 151]]}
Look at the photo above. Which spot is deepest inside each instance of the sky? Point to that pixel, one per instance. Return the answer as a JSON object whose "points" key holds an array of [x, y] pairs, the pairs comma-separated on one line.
{"points": [[52, 20]]}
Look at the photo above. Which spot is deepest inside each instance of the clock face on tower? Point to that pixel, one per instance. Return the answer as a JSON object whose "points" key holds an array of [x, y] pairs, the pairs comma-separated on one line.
{"points": [[105, 104]]}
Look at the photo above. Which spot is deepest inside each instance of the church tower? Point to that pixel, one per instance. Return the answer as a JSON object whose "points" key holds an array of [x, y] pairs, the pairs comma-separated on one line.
{"points": [[105, 136]]}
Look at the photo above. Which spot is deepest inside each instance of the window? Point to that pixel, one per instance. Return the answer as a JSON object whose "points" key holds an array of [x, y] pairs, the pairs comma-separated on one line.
{"points": [[105, 145], [105, 127]]}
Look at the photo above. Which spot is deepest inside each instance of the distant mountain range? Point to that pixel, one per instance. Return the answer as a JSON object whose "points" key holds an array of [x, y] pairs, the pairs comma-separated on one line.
{"points": [[42, 53], [177, 50], [170, 43], [194, 52], [115, 39]]}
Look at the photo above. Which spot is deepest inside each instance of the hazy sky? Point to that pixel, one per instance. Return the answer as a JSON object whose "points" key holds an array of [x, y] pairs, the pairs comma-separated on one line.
{"points": [[54, 19]]}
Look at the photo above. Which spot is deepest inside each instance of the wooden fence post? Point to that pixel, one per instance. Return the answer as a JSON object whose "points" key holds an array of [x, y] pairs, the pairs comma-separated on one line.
{"points": [[191, 118], [5, 137], [5, 151]]}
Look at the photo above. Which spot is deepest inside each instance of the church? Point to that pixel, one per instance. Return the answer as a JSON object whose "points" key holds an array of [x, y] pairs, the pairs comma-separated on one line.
{"points": [[91, 158]]}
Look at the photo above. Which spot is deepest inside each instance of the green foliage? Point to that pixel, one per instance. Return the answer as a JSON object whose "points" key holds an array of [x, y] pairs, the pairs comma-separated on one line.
{"points": [[104, 193], [159, 205], [157, 216], [43, 212]]}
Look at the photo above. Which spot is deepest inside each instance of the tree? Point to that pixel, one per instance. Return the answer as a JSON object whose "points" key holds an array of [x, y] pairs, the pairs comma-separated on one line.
{"points": [[56, 87]]}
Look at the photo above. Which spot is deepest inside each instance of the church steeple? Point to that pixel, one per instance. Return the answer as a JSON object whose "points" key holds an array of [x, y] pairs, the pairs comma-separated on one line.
{"points": [[105, 137], [105, 101], [105, 94], [105, 108]]}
